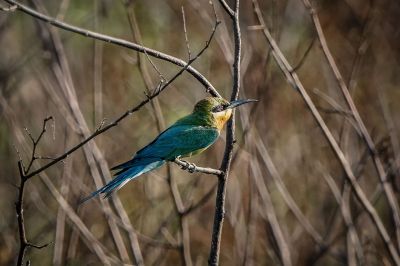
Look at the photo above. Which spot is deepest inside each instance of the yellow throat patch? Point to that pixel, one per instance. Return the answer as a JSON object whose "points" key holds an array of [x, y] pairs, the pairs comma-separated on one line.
{"points": [[222, 117]]}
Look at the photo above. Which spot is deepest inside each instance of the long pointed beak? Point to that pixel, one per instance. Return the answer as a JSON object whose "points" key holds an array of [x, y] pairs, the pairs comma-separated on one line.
{"points": [[236, 103]]}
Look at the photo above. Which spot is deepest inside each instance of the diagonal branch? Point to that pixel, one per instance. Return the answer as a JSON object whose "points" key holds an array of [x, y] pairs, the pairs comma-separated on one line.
{"points": [[295, 82], [227, 8], [387, 187], [154, 94], [346, 213], [25, 175], [117, 41]]}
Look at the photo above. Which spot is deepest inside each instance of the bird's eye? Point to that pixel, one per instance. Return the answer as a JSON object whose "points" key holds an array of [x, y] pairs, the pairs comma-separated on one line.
{"points": [[218, 108]]}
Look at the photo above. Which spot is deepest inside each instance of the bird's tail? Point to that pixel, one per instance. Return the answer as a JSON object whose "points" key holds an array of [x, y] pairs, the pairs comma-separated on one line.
{"points": [[128, 171]]}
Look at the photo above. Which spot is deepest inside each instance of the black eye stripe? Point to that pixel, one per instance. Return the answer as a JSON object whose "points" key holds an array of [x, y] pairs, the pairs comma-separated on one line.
{"points": [[218, 108]]}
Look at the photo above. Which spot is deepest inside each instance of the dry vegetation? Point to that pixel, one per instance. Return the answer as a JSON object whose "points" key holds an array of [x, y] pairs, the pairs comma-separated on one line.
{"points": [[314, 178]]}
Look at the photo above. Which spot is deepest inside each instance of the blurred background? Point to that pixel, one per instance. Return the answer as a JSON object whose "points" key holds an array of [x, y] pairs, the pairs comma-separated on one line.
{"points": [[285, 180]]}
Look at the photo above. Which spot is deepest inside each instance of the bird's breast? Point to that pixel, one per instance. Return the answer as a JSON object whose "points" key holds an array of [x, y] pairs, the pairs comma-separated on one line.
{"points": [[221, 118]]}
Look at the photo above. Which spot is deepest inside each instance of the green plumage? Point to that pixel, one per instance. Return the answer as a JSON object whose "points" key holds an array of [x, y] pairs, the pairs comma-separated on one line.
{"points": [[188, 136], [202, 113]]}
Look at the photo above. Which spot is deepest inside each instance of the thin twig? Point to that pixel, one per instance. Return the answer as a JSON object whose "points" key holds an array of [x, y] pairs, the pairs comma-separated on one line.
{"points": [[127, 113], [19, 205], [35, 143], [117, 41], [346, 213], [62, 72], [304, 57], [290, 202], [387, 187], [25, 175], [186, 35], [184, 246], [88, 237], [295, 82], [283, 247]]}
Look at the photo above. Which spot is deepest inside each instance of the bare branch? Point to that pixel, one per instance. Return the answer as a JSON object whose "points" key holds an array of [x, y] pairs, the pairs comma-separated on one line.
{"points": [[303, 58], [213, 258], [283, 246], [346, 213], [25, 175], [290, 202], [19, 205], [186, 35], [209, 87], [387, 187], [294, 80], [35, 143], [127, 113], [87, 236], [227, 8], [192, 168]]}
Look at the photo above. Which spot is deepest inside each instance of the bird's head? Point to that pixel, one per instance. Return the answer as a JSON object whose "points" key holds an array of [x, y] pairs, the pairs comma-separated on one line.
{"points": [[219, 109]]}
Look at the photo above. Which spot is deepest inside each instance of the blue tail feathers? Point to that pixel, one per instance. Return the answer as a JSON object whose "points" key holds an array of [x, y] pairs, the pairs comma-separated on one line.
{"points": [[128, 171]]}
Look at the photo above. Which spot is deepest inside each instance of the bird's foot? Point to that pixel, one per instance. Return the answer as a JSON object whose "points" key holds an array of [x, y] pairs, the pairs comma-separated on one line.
{"points": [[191, 167]]}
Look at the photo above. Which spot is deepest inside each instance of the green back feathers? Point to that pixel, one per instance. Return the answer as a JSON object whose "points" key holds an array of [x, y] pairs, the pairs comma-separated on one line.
{"points": [[202, 113]]}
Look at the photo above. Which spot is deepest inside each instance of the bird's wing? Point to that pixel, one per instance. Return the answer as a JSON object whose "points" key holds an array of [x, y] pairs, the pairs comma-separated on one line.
{"points": [[179, 140]]}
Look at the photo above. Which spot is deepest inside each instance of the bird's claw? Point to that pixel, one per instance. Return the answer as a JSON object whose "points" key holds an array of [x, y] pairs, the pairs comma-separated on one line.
{"points": [[191, 167]]}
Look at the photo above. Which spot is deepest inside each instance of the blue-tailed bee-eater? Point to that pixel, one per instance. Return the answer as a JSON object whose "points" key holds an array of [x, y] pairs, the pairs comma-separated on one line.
{"points": [[189, 135]]}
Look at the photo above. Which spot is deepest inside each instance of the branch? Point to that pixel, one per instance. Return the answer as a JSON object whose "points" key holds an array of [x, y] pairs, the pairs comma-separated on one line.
{"points": [[185, 33], [280, 185], [192, 168], [343, 202], [388, 189], [19, 205], [295, 82], [35, 144], [303, 58], [26, 175], [154, 94], [87, 237], [219, 215], [117, 41], [277, 233], [227, 8]]}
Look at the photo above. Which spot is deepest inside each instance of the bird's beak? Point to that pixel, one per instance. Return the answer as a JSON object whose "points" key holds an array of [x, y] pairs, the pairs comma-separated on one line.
{"points": [[236, 103]]}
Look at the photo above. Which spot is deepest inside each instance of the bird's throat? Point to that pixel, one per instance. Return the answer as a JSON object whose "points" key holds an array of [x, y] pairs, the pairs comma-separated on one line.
{"points": [[221, 118]]}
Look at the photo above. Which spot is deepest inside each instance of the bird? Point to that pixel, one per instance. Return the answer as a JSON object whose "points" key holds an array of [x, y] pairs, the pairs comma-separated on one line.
{"points": [[188, 136]]}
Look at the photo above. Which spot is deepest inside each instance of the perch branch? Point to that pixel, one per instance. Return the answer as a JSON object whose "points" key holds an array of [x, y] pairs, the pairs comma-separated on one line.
{"points": [[192, 168]]}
